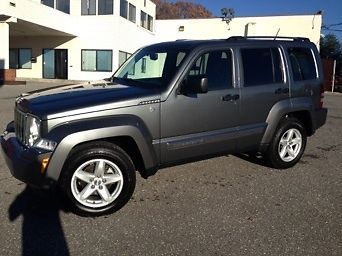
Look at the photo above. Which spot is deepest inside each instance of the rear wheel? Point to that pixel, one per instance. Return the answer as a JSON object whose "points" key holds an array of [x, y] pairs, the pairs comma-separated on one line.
{"points": [[98, 178], [288, 144]]}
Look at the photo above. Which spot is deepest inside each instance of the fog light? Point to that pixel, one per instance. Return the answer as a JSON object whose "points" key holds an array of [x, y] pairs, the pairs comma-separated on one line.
{"points": [[46, 144], [44, 164]]}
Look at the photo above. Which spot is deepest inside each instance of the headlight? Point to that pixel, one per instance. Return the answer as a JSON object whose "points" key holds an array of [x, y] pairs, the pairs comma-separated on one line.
{"points": [[32, 131]]}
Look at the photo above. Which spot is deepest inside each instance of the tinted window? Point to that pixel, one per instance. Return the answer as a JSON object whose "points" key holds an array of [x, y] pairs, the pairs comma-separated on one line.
{"points": [[261, 66], [217, 67], [20, 58], [105, 7], [123, 8], [96, 60], [88, 7], [132, 13], [63, 5], [302, 63]]}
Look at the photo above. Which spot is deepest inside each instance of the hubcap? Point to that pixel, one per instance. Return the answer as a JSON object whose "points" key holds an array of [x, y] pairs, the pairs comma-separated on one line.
{"points": [[290, 145], [97, 183]]}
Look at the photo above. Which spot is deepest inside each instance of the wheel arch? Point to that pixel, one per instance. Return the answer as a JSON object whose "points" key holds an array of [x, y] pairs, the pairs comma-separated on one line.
{"points": [[299, 108], [132, 136]]}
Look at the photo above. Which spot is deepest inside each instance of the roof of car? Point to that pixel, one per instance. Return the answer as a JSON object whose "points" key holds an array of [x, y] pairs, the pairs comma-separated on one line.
{"points": [[186, 43]]}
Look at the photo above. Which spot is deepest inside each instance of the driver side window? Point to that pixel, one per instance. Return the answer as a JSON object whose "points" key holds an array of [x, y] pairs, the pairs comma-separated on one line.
{"points": [[216, 66]]}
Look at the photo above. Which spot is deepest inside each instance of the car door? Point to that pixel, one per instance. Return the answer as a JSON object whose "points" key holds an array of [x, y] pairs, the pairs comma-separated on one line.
{"points": [[198, 124], [263, 85]]}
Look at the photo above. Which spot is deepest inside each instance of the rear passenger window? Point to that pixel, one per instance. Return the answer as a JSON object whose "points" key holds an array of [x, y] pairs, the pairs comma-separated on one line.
{"points": [[302, 63], [261, 66]]}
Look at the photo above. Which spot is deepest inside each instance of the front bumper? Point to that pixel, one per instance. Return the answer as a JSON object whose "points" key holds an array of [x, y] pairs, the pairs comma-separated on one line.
{"points": [[24, 163]]}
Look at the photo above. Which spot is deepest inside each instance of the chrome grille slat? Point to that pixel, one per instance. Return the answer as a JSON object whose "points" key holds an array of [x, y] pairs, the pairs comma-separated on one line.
{"points": [[20, 124]]}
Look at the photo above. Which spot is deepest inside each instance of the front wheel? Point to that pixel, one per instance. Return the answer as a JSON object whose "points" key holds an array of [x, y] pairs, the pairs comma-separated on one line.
{"points": [[98, 178], [288, 144]]}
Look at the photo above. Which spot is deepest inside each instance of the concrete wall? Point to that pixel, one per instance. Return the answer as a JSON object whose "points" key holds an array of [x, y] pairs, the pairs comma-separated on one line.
{"points": [[297, 26]]}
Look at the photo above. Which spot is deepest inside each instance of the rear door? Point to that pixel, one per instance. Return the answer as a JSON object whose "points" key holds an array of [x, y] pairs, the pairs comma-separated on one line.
{"points": [[263, 84]]}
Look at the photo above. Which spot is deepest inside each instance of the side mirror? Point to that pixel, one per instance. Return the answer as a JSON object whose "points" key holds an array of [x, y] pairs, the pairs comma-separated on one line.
{"points": [[194, 85]]}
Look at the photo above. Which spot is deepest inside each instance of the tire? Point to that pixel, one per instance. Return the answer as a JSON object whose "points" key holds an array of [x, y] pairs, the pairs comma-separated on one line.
{"points": [[98, 179], [288, 144]]}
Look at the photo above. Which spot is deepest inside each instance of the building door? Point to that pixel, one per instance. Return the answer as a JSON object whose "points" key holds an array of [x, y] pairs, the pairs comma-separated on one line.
{"points": [[61, 64], [55, 63]]}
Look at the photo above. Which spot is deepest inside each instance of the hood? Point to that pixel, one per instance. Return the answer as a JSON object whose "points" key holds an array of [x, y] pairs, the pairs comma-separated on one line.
{"points": [[82, 98]]}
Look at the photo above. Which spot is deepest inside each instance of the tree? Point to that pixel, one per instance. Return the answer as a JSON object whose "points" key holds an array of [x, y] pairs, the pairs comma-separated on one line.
{"points": [[180, 10], [331, 47]]}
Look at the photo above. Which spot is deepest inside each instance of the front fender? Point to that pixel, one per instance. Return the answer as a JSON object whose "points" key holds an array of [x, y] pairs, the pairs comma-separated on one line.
{"points": [[69, 135]]}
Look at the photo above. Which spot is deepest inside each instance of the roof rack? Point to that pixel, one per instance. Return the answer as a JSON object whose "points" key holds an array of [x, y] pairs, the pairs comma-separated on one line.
{"points": [[236, 38]]}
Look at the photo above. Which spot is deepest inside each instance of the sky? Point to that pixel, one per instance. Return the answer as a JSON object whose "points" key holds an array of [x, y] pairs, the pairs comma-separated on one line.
{"points": [[332, 9]]}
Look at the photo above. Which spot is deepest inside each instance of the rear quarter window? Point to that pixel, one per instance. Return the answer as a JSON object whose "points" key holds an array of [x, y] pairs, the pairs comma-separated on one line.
{"points": [[302, 63]]}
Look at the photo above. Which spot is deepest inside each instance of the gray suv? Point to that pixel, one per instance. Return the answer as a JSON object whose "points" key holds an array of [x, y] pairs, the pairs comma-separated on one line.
{"points": [[169, 103]]}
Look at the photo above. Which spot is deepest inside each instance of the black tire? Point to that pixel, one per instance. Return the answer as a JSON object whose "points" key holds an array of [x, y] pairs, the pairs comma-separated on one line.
{"points": [[114, 161], [274, 153]]}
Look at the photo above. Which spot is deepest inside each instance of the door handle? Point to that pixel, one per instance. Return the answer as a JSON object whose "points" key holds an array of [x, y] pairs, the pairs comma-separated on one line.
{"points": [[230, 97], [282, 91]]}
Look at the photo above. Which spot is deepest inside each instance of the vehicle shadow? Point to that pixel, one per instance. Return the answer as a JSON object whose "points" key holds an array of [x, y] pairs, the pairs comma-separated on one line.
{"points": [[254, 159], [42, 232]]}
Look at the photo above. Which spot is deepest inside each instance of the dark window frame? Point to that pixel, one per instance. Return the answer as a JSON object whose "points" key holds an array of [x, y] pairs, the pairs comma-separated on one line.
{"points": [[278, 76], [96, 63], [18, 58], [302, 75], [134, 17], [88, 7], [105, 2], [124, 12]]}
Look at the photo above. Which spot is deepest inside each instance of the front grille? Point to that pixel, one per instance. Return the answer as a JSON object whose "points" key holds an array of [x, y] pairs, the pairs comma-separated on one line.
{"points": [[20, 125]]}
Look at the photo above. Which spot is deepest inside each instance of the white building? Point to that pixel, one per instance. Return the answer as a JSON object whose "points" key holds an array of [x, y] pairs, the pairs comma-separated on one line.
{"points": [[89, 39]]}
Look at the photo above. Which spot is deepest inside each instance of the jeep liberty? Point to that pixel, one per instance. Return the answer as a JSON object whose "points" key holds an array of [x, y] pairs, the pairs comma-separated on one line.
{"points": [[169, 103]]}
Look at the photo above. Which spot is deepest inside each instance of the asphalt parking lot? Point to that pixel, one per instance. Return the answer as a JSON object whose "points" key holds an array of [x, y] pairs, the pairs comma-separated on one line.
{"points": [[221, 206]]}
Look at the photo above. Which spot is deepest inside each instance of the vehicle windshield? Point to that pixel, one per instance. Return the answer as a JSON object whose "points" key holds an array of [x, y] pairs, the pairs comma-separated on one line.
{"points": [[151, 67]]}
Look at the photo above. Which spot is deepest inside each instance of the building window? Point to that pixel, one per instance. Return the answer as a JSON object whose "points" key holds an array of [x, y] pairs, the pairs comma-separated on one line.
{"points": [[88, 7], [97, 60], [150, 23], [302, 63], [20, 58], [132, 13], [143, 19], [261, 66], [123, 56], [105, 7], [146, 21], [63, 5], [50, 3], [123, 8]]}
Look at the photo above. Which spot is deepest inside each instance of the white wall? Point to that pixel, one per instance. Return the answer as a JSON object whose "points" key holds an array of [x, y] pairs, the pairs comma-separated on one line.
{"points": [[296, 26]]}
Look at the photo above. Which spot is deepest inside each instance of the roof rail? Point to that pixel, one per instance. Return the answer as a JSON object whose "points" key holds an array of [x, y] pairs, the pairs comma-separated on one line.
{"points": [[301, 39]]}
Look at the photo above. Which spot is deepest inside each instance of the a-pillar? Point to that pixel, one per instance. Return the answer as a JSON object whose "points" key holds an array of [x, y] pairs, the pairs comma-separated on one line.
{"points": [[4, 50]]}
